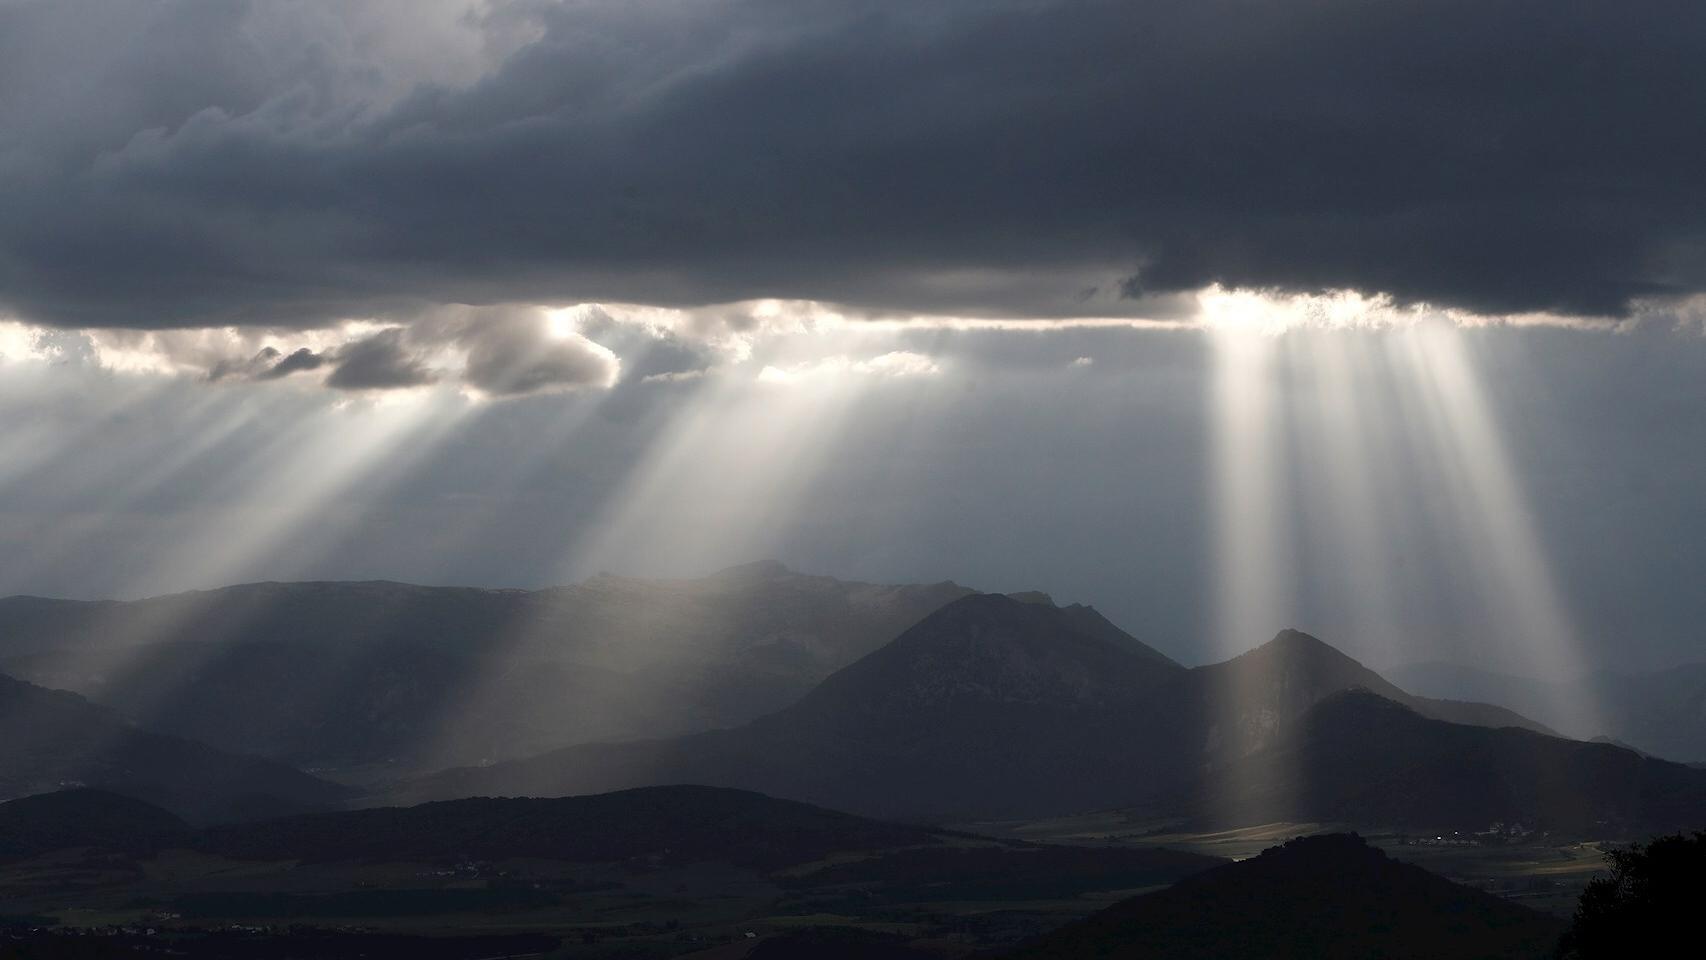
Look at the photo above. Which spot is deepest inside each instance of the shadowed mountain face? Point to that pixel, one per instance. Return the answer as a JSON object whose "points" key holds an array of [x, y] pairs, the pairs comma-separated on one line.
{"points": [[342, 675], [1247, 699], [992, 706], [1360, 758], [1318, 898], [1661, 712], [55, 739]]}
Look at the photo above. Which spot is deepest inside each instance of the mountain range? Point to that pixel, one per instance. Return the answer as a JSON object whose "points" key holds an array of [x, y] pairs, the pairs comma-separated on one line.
{"points": [[919, 703], [1357, 757], [1000, 707], [1662, 712], [339, 677]]}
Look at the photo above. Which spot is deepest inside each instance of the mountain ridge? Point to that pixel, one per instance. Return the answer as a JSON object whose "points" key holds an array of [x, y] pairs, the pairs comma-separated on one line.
{"points": [[373, 678], [1358, 757], [57, 738], [991, 706]]}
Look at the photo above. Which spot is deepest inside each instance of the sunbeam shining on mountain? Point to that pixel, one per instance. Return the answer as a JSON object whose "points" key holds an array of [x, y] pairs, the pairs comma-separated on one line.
{"points": [[842, 479]]}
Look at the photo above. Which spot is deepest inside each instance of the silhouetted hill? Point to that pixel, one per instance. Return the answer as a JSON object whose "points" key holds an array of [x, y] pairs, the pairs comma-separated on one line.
{"points": [[678, 824], [54, 739], [989, 706], [1318, 898], [84, 818], [1662, 712], [1360, 758], [341, 675], [1246, 699]]}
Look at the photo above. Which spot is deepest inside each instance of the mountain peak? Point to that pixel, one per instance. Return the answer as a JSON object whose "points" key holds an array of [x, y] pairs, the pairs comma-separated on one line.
{"points": [[1295, 650], [994, 648], [1296, 640]]}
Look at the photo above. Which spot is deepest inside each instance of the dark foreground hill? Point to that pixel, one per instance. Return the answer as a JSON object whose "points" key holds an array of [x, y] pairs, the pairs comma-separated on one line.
{"points": [[1318, 898], [655, 827], [1360, 758], [993, 706], [342, 675], [85, 818], [677, 824], [54, 739]]}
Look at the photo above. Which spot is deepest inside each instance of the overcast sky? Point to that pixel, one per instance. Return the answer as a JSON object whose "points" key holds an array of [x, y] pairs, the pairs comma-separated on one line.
{"points": [[1385, 321]]}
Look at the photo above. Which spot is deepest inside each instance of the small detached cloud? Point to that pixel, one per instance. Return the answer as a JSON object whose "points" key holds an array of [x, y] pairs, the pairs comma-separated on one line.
{"points": [[383, 361], [897, 363], [300, 360]]}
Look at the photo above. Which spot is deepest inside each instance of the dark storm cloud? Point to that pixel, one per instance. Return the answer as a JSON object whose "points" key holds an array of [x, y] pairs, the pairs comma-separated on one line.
{"points": [[1005, 156]]}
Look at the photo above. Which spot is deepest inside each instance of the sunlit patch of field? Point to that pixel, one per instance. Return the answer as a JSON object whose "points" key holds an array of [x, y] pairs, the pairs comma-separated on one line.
{"points": [[1115, 827]]}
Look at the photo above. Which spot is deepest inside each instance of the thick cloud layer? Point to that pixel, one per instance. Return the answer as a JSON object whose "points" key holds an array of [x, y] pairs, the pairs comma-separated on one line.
{"points": [[185, 163]]}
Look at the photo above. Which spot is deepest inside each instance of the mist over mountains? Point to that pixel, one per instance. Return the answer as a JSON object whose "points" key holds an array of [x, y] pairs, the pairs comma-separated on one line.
{"points": [[805, 735], [389, 675], [996, 706], [923, 703]]}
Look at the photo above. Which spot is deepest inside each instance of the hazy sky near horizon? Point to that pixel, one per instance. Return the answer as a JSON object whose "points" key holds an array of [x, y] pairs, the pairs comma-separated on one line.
{"points": [[1386, 322]]}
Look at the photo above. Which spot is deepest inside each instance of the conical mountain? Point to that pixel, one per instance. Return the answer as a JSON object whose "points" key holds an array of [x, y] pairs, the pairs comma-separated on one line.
{"points": [[989, 652], [990, 706], [1246, 700]]}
